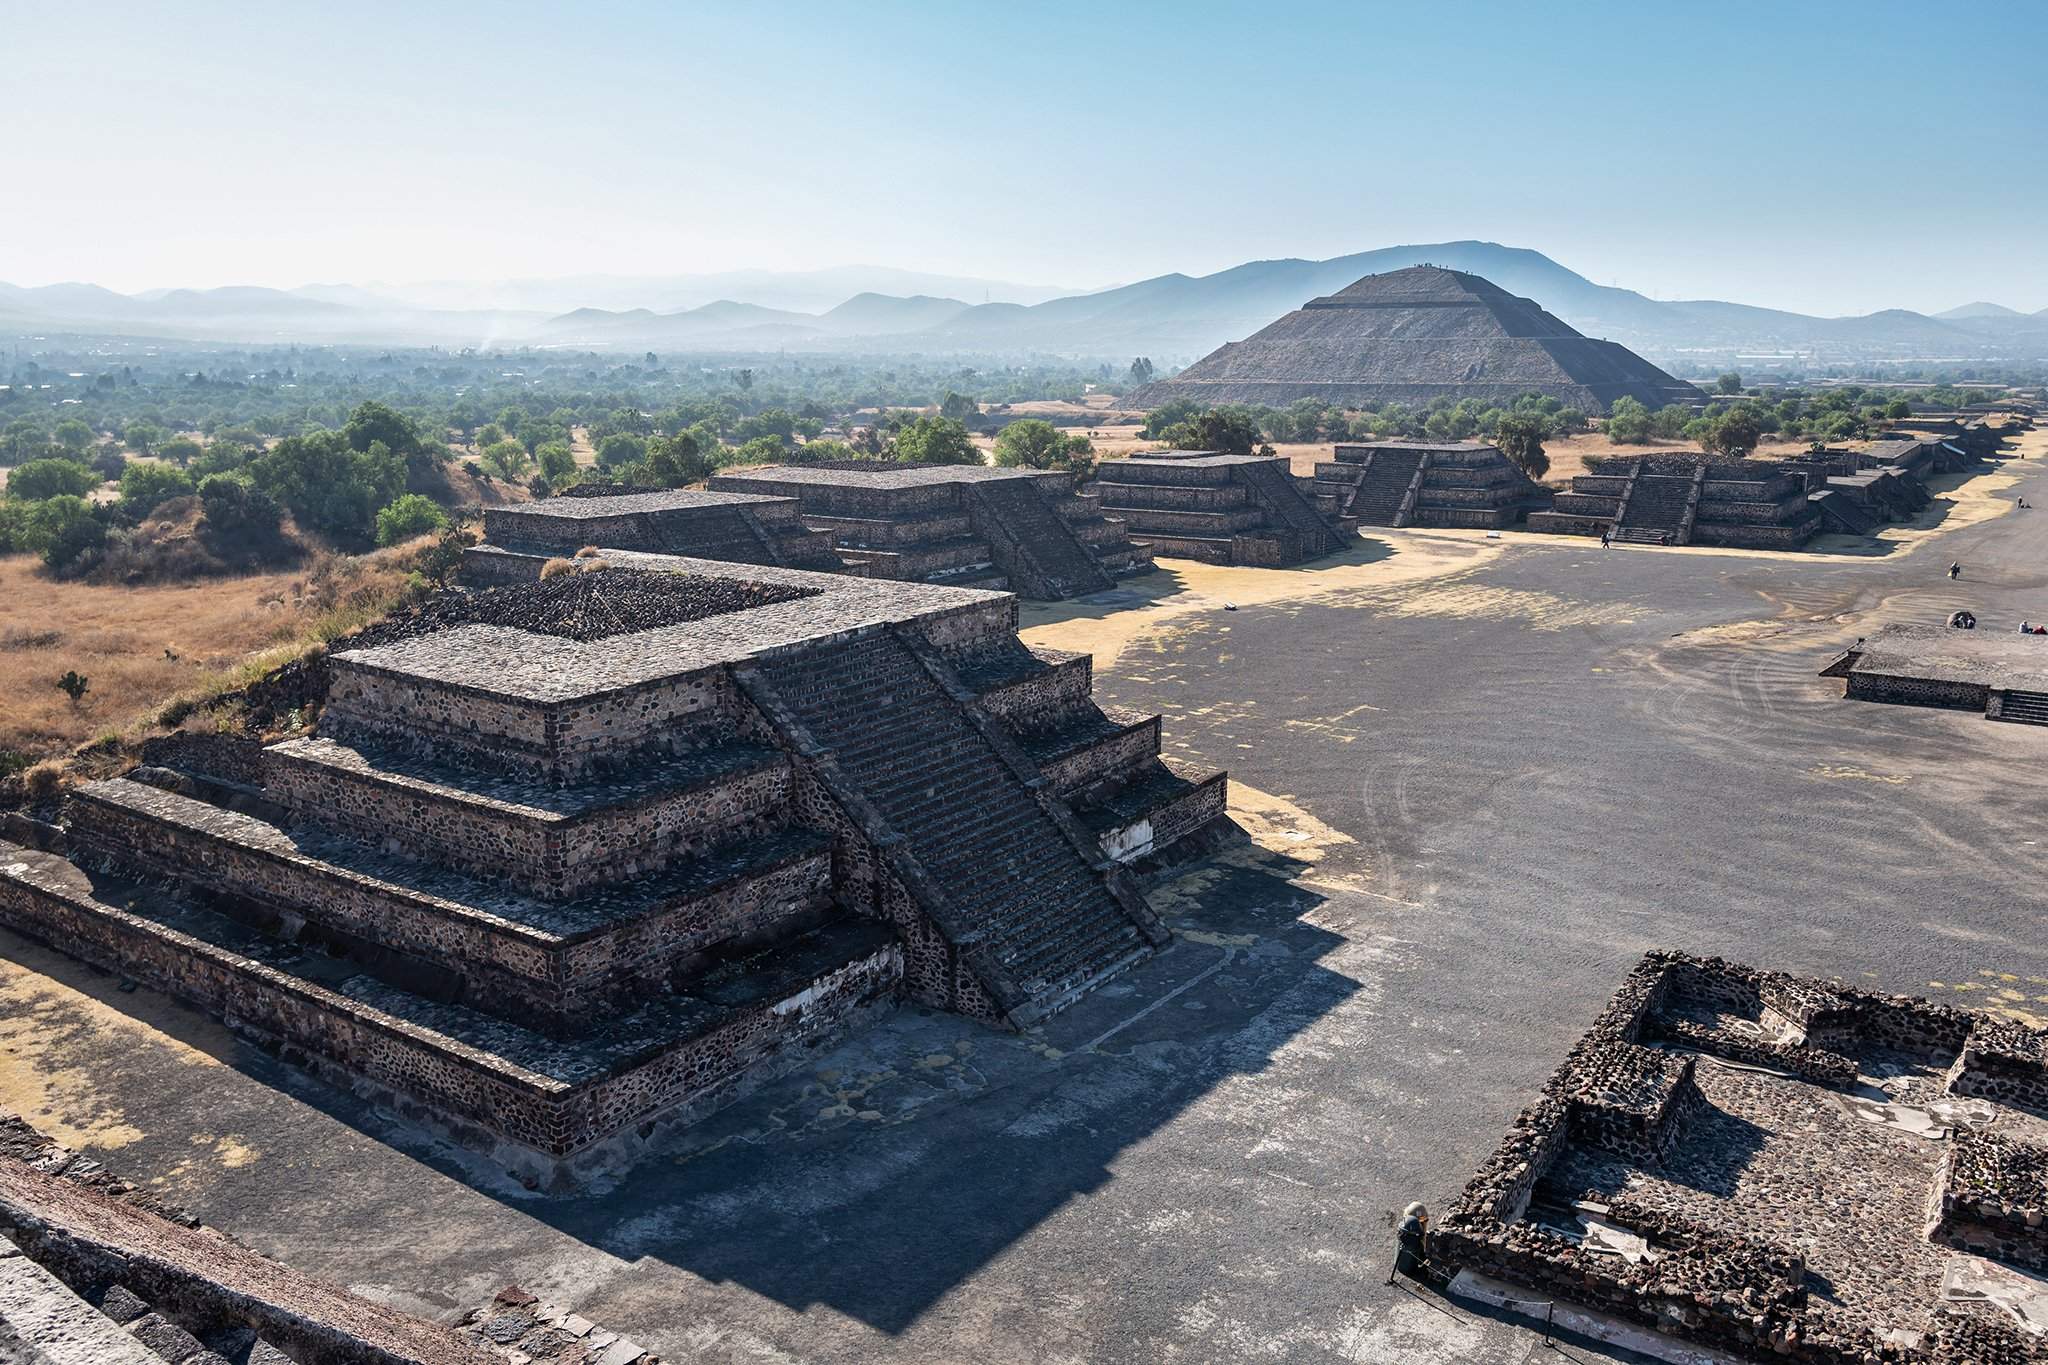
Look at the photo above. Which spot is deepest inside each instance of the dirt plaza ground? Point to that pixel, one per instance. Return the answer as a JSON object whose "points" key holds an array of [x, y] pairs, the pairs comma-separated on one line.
{"points": [[1482, 776]]}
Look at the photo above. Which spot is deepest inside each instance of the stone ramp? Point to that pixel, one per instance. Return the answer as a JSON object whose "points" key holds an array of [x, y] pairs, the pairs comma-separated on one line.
{"points": [[1033, 544], [1019, 897]]}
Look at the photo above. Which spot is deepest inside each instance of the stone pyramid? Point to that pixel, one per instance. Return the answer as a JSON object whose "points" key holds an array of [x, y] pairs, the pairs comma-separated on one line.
{"points": [[1411, 335]]}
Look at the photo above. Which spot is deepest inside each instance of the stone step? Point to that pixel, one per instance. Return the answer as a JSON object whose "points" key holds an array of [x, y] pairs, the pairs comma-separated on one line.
{"points": [[1156, 809], [557, 841], [543, 1106], [1009, 874], [457, 937], [2024, 708], [1094, 746]]}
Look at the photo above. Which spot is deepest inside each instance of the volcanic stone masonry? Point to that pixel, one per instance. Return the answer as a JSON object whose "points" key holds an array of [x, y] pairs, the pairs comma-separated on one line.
{"points": [[2002, 674], [568, 862], [1779, 1167], [1413, 483], [1218, 508], [93, 1269], [963, 525], [1685, 500]]}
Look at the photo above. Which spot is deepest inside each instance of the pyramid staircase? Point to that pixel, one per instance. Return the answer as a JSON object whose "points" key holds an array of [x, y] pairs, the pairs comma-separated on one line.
{"points": [[1382, 491], [1034, 545], [1039, 915], [2022, 708]]}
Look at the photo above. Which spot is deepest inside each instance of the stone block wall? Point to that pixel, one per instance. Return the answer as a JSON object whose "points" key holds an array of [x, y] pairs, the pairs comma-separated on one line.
{"points": [[1961, 696]]}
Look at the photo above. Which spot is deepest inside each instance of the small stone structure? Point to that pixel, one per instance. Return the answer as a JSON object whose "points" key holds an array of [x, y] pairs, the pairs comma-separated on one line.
{"points": [[1684, 500], [2001, 673], [961, 525], [741, 527], [1218, 508], [1775, 1166], [1419, 483], [569, 862]]}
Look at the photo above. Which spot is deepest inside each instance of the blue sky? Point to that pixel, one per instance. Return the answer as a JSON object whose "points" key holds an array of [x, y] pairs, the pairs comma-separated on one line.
{"points": [[1821, 157]]}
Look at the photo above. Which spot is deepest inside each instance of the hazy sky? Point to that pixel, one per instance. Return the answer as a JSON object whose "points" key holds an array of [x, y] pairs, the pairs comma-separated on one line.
{"points": [[1822, 157]]}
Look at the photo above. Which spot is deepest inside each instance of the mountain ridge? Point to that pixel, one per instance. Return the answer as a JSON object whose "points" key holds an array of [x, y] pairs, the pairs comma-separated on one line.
{"points": [[1170, 317]]}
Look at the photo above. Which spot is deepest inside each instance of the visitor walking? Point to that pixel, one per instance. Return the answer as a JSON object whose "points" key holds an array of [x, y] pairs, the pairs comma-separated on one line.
{"points": [[1606, 537], [1955, 570]]}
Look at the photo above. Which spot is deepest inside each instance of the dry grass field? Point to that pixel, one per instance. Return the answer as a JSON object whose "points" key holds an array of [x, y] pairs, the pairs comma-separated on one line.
{"points": [[141, 646]]}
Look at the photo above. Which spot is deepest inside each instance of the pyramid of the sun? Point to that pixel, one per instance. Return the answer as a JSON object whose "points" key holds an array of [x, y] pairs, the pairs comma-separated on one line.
{"points": [[1412, 335]]}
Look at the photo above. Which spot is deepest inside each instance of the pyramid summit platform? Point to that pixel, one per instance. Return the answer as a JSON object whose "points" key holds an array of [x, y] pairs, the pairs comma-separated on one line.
{"points": [[1409, 336]]}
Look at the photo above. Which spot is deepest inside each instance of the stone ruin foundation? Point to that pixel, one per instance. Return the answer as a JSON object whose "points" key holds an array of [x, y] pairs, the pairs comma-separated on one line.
{"points": [[1030, 531], [564, 864], [1685, 500], [1783, 1168], [2003, 675], [1218, 508], [1415, 483]]}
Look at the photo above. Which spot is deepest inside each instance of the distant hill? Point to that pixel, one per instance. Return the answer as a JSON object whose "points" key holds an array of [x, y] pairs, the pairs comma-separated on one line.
{"points": [[1172, 318]]}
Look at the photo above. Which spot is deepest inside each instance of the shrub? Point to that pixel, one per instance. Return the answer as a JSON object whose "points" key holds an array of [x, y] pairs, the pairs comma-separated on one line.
{"points": [[54, 478], [145, 486], [406, 516]]}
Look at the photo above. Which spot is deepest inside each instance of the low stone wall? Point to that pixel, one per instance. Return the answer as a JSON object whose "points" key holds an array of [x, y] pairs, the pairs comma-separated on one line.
{"points": [[2004, 1061], [481, 1100], [1107, 757], [1961, 696], [512, 836]]}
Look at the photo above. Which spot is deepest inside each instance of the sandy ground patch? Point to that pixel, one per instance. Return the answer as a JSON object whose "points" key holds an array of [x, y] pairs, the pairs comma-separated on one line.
{"points": [[1180, 588]]}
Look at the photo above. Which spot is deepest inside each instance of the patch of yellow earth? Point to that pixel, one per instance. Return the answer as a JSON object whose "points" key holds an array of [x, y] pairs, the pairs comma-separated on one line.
{"points": [[1994, 998], [45, 1026], [1843, 772], [1539, 610], [1179, 587]]}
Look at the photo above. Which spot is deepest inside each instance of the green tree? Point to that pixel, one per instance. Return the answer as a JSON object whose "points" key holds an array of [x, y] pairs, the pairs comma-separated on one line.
{"points": [[557, 464], [620, 449], [506, 460], [409, 515], [958, 407], [1628, 421], [1898, 408], [1228, 430], [74, 685], [73, 435], [234, 508], [743, 378], [181, 450], [63, 530], [819, 452], [144, 437], [1036, 444], [329, 487], [39, 479], [23, 440], [1730, 382], [935, 440], [677, 461], [1734, 433], [145, 485], [1520, 437], [1141, 371]]}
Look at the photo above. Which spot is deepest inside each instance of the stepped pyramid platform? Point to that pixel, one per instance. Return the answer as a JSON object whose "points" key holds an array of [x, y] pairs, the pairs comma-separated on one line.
{"points": [[1685, 500], [960, 525], [744, 528], [1999, 672], [1218, 508], [570, 862], [1410, 336], [1776, 1167], [1419, 483]]}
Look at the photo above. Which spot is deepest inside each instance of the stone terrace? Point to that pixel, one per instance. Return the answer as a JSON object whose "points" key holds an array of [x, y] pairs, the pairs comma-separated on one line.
{"points": [[1413, 483], [2002, 673], [1685, 500], [965, 525], [1810, 1166], [1218, 508], [741, 527], [569, 862]]}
